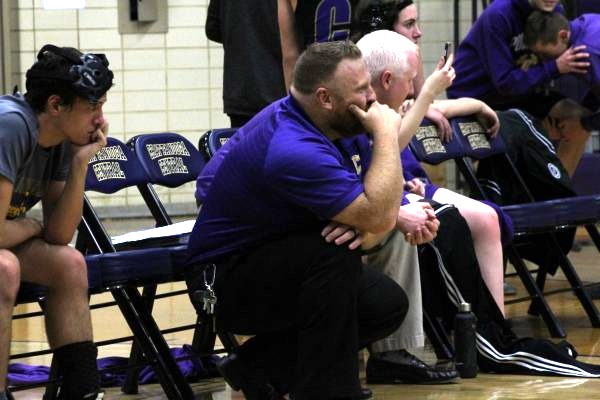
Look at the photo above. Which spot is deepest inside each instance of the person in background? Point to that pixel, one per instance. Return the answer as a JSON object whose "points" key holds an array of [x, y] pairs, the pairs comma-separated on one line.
{"points": [[259, 53], [494, 65], [550, 35]]}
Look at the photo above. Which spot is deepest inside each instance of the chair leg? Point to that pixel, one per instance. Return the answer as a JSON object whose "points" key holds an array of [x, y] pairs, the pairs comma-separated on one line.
{"points": [[438, 337], [51, 391], [229, 341], [130, 385], [152, 343], [540, 281], [576, 284], [554, 326], [594, 235], [204, 338]]}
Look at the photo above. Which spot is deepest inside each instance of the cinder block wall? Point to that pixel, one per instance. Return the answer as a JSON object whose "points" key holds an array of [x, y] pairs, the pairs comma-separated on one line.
{"points": [[164, 81]]}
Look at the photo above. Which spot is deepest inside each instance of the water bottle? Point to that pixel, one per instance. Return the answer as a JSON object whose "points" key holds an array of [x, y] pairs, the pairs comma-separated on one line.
{"points": [[465, 356]]}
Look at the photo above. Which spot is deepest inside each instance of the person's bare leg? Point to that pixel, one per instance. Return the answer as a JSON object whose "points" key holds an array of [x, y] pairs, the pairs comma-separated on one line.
{"points": [[565, 125], [9, 285], [63, 270], [485, 230]]}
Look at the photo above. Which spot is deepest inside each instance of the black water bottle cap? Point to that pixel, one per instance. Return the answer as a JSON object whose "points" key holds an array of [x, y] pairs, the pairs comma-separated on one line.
{"points": [[464, 307]]}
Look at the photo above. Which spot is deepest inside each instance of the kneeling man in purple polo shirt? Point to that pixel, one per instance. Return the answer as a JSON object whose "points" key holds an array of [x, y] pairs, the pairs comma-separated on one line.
{"points": [[267, 196]]}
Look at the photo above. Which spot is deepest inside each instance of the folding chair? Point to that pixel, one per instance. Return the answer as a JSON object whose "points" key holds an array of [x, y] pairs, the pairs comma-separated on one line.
{"points": [[534, 218], [213, 140], [169, 160], [427, 147], [114, 168]]}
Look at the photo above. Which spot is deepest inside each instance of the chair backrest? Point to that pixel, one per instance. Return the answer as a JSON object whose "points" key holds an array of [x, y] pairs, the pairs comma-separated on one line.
{"points": [[168, 158], [113, 168], [213, 140], [427, 146], [475, 141], [477, 144]]}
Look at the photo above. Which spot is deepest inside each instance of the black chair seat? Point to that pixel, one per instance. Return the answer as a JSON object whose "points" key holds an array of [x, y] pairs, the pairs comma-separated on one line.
{"points": [[543, 216], [135, 266]]}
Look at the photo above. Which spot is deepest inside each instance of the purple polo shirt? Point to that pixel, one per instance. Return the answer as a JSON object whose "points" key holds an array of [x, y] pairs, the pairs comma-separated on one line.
{"points": [[277, 175]]}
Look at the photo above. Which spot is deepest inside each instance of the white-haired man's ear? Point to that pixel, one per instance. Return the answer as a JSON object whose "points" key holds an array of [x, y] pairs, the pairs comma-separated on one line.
{"points": [[385, 79]]}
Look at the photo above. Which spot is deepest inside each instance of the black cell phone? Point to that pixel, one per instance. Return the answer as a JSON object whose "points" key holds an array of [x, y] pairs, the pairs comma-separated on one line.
{"points": [[447, 50]]}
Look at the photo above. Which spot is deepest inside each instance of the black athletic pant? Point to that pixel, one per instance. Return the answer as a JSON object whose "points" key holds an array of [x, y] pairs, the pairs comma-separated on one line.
{"points": [[311, 305]]}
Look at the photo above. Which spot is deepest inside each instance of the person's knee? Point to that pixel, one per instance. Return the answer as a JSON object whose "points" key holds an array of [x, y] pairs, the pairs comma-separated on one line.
{"points": [[72, 273], [11, 277], [492, 222], [488, 223], [399, 305], [382, 301]]}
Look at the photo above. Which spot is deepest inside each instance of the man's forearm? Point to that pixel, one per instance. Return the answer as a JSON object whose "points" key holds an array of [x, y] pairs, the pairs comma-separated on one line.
{"points": [[383, 181], [63, 216], [287, 35], [17, 231], [413, 117], [458, 107]]}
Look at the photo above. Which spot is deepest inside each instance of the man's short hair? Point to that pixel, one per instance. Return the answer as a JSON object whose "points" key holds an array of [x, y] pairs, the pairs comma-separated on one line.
{"points": [[543, 27], [385, 49], [317, 64], [67, 73]]}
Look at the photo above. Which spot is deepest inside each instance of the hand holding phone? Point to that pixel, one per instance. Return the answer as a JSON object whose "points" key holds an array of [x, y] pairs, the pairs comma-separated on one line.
{"points": [[447, 50]]}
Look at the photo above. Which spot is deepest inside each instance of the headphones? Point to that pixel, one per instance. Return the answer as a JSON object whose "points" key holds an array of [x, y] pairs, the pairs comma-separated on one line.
{"points": [[88, 74], [378, 15]]}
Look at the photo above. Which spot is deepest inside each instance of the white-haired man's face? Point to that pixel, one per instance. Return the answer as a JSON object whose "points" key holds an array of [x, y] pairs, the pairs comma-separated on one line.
{"points": [[399, 85]]}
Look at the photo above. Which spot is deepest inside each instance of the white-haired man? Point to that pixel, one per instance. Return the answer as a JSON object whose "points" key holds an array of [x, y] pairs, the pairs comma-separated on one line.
{"points": [[396, 255], [497, 344]]}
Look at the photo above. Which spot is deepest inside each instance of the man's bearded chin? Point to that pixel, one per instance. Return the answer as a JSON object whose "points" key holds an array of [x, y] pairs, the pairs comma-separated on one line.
{"points": [[348, 125]]}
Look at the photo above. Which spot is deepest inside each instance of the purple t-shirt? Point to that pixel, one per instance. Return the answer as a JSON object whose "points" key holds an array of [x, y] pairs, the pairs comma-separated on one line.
{"points": [[277, 175]]}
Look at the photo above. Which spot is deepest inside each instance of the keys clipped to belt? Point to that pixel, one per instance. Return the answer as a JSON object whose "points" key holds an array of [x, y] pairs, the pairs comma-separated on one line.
{"points": [[209, 298]]}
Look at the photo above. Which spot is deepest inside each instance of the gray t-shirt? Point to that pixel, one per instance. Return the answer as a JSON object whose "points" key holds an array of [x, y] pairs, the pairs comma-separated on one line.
{"points": [[22, 161]]}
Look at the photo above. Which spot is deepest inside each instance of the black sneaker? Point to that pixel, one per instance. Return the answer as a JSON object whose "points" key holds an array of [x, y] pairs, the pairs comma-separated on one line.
{"points": [[402, 367]]}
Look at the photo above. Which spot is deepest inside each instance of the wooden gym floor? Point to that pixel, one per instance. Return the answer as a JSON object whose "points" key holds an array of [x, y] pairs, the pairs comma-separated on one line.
{"points": [[29, 335]]}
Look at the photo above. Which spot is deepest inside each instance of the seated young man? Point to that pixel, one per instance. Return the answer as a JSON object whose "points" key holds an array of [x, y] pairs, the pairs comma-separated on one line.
{"points": [[47, 137], [550, 35], [310, 303]]}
